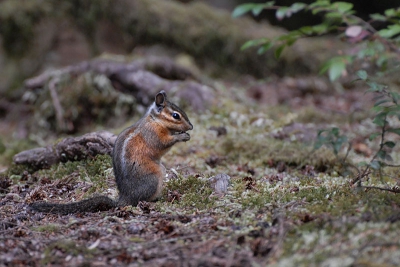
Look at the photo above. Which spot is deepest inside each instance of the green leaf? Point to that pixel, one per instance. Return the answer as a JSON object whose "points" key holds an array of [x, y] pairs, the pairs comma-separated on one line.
{"points": [[381, 154], [318, 144], [242, 9], [336, 69], [375, 87], [333, 15], [382, 61], [379, 121], [395, 130], [335, 66], [393, 110], [321, 131], [338, 144], [254, 42], [291, 41], [335, 131], [343, 6], [282, 12], [279, 51], [382, 101], [377, 109], [362, 164], [321, 3], [320, 28], [283, 37], [362, 74], [389, 144], [391, 31], [378, 17], [307, 30], [390, 12], [264, 48], [395, 97], [373, 136], [296, 7], [375, 165], [260, 7], [255, 8]]}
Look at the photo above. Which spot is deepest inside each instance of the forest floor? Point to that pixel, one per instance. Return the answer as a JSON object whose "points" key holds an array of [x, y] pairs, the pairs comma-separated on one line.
{"points": [[287, 204]]}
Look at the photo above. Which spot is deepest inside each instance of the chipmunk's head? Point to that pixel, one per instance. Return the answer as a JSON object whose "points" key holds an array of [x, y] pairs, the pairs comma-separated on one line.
{"points": [[170, 115]]}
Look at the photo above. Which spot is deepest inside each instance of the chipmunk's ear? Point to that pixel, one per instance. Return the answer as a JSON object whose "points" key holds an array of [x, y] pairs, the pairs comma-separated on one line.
{"points": [[160, 99]]}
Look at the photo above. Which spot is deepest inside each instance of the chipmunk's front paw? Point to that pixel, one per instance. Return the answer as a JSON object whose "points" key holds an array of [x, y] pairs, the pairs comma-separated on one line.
{"points": [[183, 137]]}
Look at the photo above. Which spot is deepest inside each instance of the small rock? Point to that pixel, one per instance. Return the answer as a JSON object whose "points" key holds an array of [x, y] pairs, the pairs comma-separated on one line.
{"points": [[135, 228], [220, 182]]}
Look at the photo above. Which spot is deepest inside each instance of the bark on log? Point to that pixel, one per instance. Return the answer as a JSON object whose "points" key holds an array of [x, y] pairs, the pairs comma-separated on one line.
{"points": [[141, 78], [162, 66], [68, 149]]}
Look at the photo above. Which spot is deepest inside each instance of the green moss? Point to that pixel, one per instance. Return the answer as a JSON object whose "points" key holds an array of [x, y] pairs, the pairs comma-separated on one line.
{"points": [[97, 171], [195, 192], [48, 228], [70, 247], [336, 217], [251, 198], [16, 171], [317, 116], [92, 169], [95, 168], [263, 149]]}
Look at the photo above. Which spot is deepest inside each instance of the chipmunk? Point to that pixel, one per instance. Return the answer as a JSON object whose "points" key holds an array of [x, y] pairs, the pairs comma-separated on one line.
{"points": [[136, 159]]}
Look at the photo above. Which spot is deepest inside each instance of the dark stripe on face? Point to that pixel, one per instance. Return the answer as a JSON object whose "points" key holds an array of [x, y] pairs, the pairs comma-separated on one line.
{"points": [[176, 108]]}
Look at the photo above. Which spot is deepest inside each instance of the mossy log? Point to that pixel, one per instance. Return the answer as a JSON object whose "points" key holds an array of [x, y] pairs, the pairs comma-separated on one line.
{"points": [[140, 78], [68, 149], [97, 91]]}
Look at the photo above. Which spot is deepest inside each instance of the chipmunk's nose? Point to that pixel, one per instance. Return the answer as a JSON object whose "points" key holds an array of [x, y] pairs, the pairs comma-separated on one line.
{"points": [[191, 126]]}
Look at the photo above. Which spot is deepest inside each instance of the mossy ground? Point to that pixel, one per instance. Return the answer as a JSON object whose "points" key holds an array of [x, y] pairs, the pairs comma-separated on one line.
{"points": [[287, 204]]}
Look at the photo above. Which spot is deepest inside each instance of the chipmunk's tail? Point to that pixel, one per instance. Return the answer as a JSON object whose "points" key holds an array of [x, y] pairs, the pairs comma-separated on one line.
{"points": [[94, 204]]}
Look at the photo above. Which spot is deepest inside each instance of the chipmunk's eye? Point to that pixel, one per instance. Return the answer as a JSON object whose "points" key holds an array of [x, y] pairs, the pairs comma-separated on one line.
{"points": [[176, 116]]}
